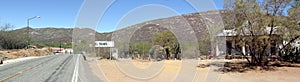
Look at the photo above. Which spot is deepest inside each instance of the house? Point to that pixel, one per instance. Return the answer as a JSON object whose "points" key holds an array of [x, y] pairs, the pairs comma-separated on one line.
{"points": [[236, 43]]}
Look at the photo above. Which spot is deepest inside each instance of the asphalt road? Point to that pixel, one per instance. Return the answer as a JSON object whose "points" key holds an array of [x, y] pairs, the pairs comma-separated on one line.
{"points": [[55, 68]]}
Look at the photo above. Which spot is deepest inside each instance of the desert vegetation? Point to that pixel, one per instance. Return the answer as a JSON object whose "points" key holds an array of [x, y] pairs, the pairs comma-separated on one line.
{"points": [[250, 18], [10, 39]]}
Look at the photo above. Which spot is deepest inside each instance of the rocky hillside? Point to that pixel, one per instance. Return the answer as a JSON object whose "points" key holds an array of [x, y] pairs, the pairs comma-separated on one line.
{"points": [[202, 24], [139, 32], [48, 35]]}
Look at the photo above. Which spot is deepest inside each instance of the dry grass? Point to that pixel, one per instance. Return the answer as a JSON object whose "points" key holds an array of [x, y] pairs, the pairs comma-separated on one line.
{"points": [[12, 54]]}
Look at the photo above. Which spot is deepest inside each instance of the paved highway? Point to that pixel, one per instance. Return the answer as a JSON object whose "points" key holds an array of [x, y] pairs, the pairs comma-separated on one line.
{"points": [[55, 68]]}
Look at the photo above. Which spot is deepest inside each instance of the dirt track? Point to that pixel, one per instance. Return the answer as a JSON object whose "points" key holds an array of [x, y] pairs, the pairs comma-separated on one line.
{"points": [[171, 68]]}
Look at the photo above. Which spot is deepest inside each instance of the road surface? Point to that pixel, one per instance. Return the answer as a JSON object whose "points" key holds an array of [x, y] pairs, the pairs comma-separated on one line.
{"points": [[54, 68]]}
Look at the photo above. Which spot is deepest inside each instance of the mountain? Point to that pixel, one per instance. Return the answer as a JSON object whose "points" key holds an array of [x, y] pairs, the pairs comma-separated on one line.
{"points": [[48, 35], [200, 24], [135, 33]]}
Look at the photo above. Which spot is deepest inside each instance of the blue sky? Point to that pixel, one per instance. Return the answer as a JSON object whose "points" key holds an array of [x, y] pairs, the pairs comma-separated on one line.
{"points": [[54, 13], [63, 13]]}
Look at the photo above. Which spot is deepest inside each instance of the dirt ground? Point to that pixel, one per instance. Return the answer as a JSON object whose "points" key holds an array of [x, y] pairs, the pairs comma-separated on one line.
{"points": [[283, 74], [112, 73], [19, 53]]}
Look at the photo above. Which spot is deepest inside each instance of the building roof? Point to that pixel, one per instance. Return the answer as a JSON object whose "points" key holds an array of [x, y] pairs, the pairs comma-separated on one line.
{"points": [[233, 32]]}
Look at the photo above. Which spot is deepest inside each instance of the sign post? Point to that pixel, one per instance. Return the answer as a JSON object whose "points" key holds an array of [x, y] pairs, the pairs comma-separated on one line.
{"points": [[105, 44]]}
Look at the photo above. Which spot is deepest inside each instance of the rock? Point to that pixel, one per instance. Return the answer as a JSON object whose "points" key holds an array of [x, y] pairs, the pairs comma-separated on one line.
{"points": [[202, 66]]}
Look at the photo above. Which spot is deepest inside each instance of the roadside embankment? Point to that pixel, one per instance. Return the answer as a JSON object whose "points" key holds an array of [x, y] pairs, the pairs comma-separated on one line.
{"points": [[20, 53]]}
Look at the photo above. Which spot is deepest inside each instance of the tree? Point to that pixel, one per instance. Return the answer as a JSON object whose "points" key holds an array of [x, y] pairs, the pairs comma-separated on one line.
{"points": [[167, 40], [250, 18], [204, 45], [10, 39], [291, 53], [141, 48]]}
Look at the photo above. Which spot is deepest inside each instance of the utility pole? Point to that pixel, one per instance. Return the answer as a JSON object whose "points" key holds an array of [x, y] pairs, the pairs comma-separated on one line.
{"points": [[60, 45], [28, 28]]}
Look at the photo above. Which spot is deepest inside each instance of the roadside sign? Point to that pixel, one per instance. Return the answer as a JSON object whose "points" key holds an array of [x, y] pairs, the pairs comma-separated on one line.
{"points": [[104, 43]]}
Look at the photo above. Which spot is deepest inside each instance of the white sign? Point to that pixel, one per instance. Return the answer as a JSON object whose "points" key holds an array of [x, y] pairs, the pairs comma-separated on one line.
{"points": [[104, 43]]}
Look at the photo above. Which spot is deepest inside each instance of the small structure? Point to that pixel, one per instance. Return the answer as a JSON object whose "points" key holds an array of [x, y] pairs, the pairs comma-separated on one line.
{"points": [[232, 47], [57, 50]]}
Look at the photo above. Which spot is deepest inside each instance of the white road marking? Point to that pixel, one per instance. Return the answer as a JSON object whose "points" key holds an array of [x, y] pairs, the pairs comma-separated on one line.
{"points": [[75, 73]]}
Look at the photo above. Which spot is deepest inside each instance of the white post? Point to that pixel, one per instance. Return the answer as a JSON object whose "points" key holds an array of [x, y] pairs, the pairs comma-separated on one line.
{"points": [[110, 53], [233, 47], [244, 50], [217, 50]]}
